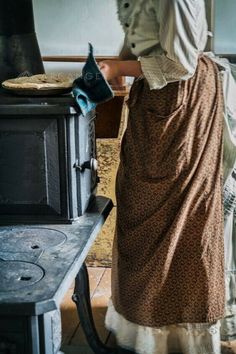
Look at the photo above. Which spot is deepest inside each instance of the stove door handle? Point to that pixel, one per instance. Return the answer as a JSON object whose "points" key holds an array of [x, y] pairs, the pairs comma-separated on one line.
{"points": [[92, 165]]}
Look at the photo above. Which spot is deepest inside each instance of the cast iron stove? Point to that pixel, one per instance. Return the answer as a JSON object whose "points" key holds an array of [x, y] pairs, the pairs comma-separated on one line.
{"points": [[50, 216], [49, 211]]}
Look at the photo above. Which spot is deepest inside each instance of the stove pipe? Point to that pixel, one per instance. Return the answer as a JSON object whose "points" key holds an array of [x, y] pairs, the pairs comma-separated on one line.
{"points": [[19, 50]]}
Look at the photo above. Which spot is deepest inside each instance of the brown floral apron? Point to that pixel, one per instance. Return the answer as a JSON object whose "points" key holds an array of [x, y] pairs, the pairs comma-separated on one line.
{"points": [[168, 264]]}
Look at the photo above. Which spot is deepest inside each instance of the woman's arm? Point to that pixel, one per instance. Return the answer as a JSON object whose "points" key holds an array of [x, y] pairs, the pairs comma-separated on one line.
{"points": [[181, 23], [115, 68], [127, 65], [183, 34]]}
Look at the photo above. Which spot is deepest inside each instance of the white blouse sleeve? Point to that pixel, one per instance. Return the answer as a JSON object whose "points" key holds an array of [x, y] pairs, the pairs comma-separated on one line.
{"points": [[179, 39]]}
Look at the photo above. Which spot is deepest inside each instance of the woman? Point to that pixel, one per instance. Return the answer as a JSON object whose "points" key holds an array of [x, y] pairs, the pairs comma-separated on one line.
{"points": [[168, 257]]}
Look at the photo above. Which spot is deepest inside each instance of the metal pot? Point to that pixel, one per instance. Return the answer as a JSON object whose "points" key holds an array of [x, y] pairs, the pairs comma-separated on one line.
{"points": [[19, 50]]}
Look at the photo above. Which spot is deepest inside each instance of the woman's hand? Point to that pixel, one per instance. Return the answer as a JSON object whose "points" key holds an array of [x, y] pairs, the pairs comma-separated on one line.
{"points": [[109, 69], [114, 68]]}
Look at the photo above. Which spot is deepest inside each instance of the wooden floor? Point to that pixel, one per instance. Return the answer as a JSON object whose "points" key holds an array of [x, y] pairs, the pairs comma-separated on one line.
{"points": [[73, 340]]}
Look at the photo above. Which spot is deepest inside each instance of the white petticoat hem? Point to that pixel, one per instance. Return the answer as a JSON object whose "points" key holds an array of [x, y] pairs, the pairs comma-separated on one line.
{"points": [[199, 338]]}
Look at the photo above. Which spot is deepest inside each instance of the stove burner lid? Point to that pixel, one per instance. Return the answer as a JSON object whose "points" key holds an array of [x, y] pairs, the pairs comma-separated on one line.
{"points": [[16, 275], [30, 240]]}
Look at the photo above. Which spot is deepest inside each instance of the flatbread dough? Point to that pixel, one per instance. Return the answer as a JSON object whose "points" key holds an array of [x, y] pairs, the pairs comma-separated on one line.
{"points": [[39, 82]]}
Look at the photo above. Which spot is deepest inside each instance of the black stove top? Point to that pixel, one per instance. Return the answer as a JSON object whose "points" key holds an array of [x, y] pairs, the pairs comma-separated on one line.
{"points": [[38, 263]]}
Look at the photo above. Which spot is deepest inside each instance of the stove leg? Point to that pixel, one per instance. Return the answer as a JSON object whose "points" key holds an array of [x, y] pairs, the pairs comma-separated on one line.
{"points": [[81, 297]]}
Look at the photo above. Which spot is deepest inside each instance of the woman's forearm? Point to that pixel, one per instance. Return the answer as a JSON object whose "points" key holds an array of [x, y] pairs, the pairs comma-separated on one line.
{"points": [[115, 68], [129, 68]]}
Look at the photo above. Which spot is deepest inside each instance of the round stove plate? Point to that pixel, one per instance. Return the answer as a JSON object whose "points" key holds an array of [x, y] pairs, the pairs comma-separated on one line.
{"points": [[16, 275], [30, 239]]}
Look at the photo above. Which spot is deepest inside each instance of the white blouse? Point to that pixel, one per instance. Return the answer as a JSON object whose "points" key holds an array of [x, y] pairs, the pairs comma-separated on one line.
{"points": [[167, 36]]}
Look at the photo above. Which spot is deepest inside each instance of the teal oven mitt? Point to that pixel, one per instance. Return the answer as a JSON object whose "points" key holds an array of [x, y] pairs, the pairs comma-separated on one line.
{"points": [[91, 88]]}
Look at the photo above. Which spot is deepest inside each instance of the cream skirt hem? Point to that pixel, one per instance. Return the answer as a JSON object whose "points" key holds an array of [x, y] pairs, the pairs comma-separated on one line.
{"points": [[200, 338]]}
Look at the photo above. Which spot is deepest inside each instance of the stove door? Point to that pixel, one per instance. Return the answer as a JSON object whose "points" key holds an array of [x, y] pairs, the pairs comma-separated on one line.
{"points": [[30, 177]]}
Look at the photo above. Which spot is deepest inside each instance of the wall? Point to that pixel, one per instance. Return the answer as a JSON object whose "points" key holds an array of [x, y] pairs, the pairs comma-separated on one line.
{"points": [[64, 27], [225, 29], [221, 19]]}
